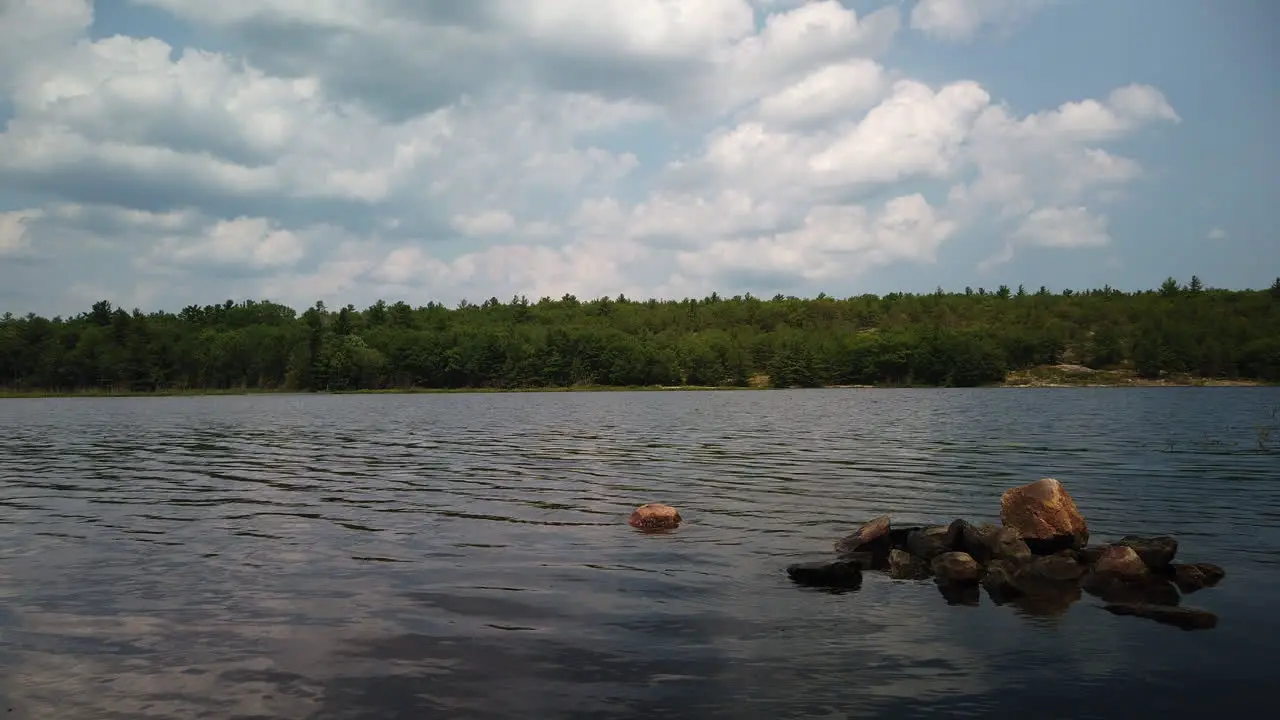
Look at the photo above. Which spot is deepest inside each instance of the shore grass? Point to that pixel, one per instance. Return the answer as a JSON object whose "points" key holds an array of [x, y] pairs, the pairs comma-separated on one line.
{"points": [[1040, 377]]}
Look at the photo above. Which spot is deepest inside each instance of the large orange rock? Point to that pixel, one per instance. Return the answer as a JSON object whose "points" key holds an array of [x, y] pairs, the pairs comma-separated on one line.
{"points": [[655, 516], [1044, 516]]}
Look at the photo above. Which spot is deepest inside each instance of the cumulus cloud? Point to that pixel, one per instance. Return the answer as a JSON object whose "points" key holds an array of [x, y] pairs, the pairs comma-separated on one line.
{"points": [[349, 150]]}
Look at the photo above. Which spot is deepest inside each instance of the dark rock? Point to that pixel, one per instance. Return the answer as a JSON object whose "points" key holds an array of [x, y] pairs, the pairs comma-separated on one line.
{"points": [[898, 536], [930, 542], [838, 574], [1089, 554], [955, 534], [1049, 569], [956, 568], [905, 566], [988, 542], [1044, 516], [872, 533], [961, 593], [1149, 589], [1196, 576], [999, 582], [1156, 552], [1121, 561], [1181, 617]]}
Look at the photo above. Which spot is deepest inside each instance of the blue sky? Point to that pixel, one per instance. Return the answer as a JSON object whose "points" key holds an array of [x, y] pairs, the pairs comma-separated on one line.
{"points": [[160, 153]]}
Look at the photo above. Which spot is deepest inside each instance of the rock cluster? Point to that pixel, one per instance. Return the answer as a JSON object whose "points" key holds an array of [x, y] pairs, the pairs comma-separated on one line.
{"points": [[1038, 559]]}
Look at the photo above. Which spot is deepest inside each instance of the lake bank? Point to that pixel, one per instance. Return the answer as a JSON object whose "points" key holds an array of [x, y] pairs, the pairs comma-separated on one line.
{"points": [[1051, 377]]}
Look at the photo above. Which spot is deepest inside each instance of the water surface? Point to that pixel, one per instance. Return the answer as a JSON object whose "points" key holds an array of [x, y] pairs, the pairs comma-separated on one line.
{"points": [[437, 556]]}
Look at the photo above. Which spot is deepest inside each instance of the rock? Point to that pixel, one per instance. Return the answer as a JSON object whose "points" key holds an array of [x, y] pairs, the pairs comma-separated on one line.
{"points": [[956, 568], [1148, 590], [999, 582], [955, 534], [1089, 554], [1121, 561], [988, 542], [905, 566], [875, 532], [1045, 516], [1182, 617], [930, 542], [898, 536], [655, 516], [1156, 552], [1049, 569], [1044, 587], [846, 574], [1196, 576]]}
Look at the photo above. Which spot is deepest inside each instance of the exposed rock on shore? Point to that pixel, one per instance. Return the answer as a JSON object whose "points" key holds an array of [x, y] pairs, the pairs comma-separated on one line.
{"points": [[1038, 560]]}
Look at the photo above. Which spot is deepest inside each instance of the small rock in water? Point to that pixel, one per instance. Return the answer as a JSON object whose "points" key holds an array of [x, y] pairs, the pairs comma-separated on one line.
{"points": [[1156, 552], [655, 516], [838, 574], [875, 533], [1196, 576], [905, 566], [987, 543], [930, 542], [1182, 617], [1051, 569], [956, 568], [1121, 561], [1045, 516]]}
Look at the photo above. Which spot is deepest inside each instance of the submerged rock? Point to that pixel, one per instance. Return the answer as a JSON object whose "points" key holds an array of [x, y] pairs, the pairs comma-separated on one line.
{"points": [[1181, 617], [869, 537], [1197, 576], [846, 574], [905, 566], [1156, 552], [1044, 516], [956, 568], [655, 516]]}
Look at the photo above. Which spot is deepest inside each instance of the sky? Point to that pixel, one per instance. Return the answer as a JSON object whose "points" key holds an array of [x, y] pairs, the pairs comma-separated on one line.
{"points": [[164, 153]]}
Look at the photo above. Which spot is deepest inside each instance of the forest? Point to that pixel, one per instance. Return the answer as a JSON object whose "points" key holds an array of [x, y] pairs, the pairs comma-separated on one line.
{"points": [[969, 338]]}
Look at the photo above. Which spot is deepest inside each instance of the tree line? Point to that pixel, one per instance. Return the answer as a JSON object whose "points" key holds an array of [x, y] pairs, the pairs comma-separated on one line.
{"points": [[967, 338]]}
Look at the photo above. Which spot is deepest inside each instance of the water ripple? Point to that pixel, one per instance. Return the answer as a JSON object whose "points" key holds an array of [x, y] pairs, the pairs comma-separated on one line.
{"points": [[407, 556]]}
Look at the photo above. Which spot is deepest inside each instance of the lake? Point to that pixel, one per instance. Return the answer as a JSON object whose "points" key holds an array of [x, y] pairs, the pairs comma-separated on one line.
{"points": [[467, 555]]}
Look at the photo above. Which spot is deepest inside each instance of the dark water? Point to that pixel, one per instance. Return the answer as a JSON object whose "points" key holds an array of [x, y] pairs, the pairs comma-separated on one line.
{"points": [[467, 556]]}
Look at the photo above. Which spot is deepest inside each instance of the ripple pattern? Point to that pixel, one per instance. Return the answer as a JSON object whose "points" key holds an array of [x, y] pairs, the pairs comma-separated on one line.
{"points": [[467, 555]]}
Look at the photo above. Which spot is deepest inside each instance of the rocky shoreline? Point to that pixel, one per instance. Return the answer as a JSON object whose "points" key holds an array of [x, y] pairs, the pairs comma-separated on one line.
{"points": [[1038, 559]]}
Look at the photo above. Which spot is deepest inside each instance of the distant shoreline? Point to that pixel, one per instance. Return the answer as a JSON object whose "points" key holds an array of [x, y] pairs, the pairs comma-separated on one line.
{"points": [[1039, 378]]}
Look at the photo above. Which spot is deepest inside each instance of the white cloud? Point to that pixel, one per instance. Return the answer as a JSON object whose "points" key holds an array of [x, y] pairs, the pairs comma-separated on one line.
{"points": [[348, 150], [963, 19], [1217, 234]]}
